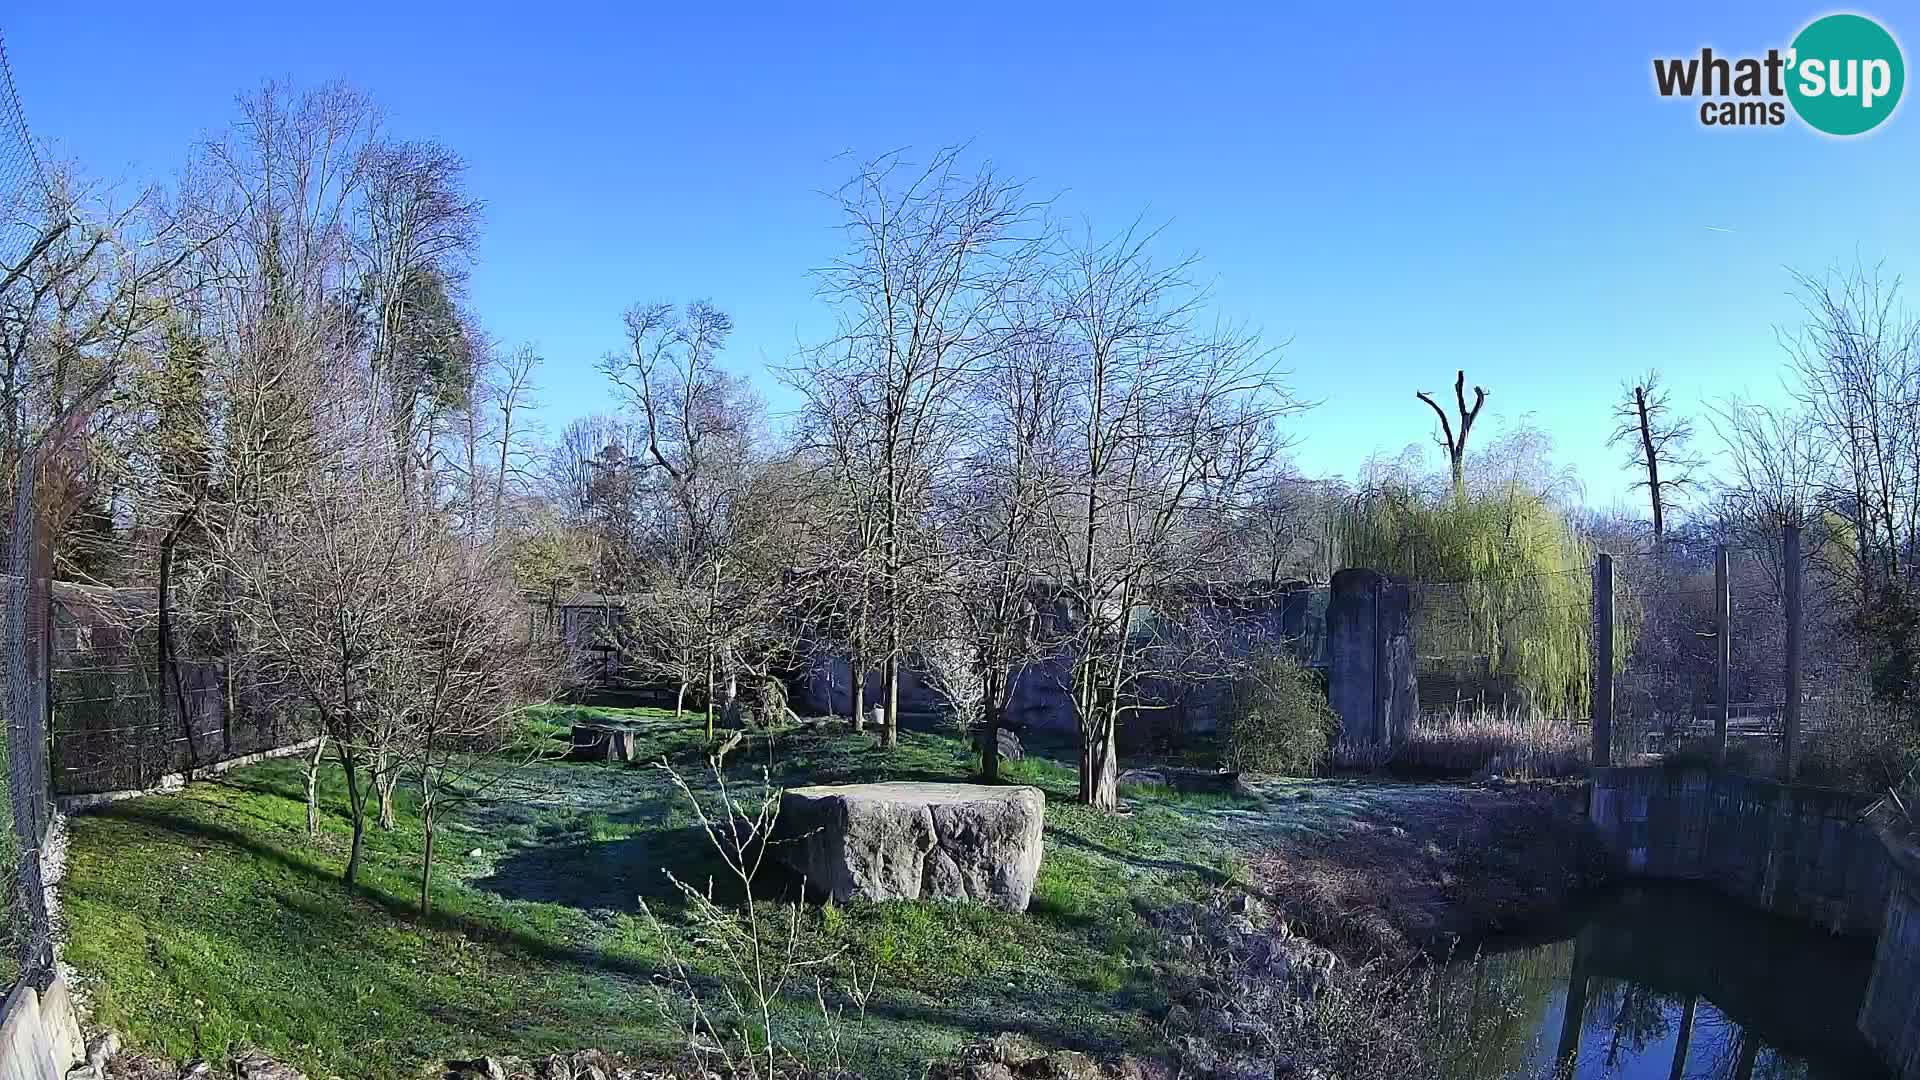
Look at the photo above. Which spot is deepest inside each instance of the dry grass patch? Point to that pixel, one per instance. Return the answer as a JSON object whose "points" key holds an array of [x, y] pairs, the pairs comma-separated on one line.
{"points": [[1438, 865]]}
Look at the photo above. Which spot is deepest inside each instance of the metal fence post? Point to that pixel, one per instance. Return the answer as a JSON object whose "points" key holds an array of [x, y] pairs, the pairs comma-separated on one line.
{"points": [[1722, 651], [1791, 568], [1602, 705]]}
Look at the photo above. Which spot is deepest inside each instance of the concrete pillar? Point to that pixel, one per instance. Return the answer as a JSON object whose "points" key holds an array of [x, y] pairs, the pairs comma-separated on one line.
{"points": [[1679, 1070], [1573, 1014], [1351, 657], [1370, 657]]}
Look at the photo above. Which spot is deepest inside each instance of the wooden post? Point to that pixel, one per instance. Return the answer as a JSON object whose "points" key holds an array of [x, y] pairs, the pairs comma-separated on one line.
{"points": [[1686, 1015], [1722, 651], [1790, 568], [1573, 1014], [1602, 661]]}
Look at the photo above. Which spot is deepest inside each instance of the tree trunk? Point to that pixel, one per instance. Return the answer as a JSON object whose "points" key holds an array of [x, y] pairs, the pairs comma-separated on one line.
{"points": [[384, 777], [313, 786], [710, 694], [890, 734], [713, 595], [1653, 466], [857, 668], [426, 847], [680, 701], [357, 816], [859, 671], [1099, 780], [168, 678], [990, 734]]}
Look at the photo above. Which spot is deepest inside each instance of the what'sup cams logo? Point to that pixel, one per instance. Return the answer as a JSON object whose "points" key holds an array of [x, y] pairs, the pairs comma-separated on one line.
{"points": [[1842, 76]]}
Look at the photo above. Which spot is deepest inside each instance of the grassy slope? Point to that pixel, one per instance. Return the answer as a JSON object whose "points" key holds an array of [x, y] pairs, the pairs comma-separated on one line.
{"points": [[208, 921]]}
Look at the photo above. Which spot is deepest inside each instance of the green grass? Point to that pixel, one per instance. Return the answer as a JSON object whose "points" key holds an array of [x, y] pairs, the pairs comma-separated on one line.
{"points": [[207, 921]]}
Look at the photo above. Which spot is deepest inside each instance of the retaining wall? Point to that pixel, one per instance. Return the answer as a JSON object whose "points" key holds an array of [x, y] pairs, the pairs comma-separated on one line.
{"points": [[1890, 1015], [1813, 854], [1802, 852]]}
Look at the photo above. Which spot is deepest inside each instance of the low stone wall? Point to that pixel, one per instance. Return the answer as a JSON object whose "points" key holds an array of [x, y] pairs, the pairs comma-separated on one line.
{"points": [[79, 804], [1802, 852], [1812, 854]]}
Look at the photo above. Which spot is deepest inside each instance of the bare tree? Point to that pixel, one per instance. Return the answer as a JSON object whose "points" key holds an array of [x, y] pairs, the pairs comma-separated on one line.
{"points": [[985, 631], [321, 594], [468, 675], [1455, 444], [1658, 446], [835, 443], [931, 252], [1168, 428], [710, 589], [1855, 365]]}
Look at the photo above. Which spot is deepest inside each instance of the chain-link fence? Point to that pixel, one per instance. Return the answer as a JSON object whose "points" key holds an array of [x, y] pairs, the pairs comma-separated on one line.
{"points": [[25, 561], [118, 724], [25, 567], [1506, 667]]}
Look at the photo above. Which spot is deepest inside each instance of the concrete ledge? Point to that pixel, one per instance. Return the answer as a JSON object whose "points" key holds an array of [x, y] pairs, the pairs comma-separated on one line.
{"points": [[1814, 854], [1890, 1013], [1803, 852], [39, 1034], [80, 804]]}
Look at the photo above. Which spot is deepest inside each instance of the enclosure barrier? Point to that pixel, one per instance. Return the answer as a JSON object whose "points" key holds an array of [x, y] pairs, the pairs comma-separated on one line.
{"points": [[1808, 853]]}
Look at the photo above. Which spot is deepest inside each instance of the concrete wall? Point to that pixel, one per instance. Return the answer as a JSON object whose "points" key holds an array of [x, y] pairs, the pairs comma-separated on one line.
{"points": [[1370, 669], [1802, 852], [1808, 853], [39, 1033], [1256, 616], [1890, 1015]]}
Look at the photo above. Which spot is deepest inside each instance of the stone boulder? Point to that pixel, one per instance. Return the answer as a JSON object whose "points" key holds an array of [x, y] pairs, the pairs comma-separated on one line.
{"points": [[915, 841], [1009, 745], [1193, 781], [603, 742]]}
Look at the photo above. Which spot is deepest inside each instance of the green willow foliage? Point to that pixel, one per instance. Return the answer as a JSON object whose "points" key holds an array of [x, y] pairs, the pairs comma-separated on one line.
{"points": [[1513, 581]]}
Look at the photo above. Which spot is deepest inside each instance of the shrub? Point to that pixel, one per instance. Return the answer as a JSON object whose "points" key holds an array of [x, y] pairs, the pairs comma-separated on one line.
{"points": [[1868, 751], [1277, 719]]}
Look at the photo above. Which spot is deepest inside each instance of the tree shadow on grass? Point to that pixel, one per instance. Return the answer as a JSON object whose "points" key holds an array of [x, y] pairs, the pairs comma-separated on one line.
{"points": [[609, 874], [202, 833], [1211, 874]]}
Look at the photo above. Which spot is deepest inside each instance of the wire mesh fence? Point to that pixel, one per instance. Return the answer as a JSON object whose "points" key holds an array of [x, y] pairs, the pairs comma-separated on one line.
{"points": [[116, 725], [24, 570], [1507, 666]]}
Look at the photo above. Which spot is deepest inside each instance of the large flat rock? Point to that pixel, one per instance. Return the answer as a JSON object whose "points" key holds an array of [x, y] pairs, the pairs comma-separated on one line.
{"points": [[915, 841]]}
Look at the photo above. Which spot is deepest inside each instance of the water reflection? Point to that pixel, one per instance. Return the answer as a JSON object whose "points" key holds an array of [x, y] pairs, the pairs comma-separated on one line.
{"points": [[1672, 982]]}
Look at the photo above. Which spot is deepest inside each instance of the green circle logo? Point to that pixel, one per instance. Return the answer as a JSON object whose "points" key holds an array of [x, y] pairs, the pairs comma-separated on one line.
{"points": [[1846, 74]]}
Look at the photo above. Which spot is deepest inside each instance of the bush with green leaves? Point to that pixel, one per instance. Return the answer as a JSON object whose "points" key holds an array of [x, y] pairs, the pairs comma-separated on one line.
{"points": [[1276, 719]]}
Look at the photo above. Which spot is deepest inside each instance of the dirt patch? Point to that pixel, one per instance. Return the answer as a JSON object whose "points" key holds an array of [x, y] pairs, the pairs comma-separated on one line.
{"points": [[1423, 872]]}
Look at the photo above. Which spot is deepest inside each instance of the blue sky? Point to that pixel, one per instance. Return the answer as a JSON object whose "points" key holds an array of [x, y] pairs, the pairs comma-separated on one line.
{"points": [[1395, 195]]}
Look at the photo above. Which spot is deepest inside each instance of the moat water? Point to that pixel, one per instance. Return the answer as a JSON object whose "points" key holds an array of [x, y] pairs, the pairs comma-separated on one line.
{"points": [[1662, 982]]}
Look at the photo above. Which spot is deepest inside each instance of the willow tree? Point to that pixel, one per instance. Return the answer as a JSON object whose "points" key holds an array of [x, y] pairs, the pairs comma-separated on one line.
{"points": [[1516, 574]]}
